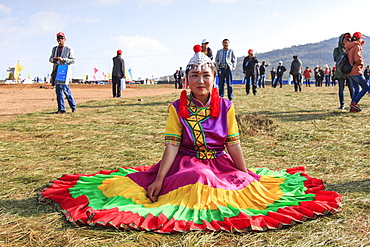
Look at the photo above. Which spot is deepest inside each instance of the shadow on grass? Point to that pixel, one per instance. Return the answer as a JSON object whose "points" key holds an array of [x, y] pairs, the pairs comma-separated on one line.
{"points": [[26, 207], [351, 186], [296, 116], [167, 103]]}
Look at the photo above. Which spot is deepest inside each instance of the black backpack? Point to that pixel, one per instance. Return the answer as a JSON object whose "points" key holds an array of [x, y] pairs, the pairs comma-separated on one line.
{"points": [[343, 65]]}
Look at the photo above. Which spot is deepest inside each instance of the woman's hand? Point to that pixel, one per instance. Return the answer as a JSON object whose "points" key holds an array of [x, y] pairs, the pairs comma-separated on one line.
{"points": [[236, 154], [154, 189], [168, 157]]}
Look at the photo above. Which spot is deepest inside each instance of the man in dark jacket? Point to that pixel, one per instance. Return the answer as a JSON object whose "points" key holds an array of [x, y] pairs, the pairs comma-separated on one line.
{"points": [[180, 75], [295, 71], [117, 74], [279, 73], [261, 82], [249, 64]]}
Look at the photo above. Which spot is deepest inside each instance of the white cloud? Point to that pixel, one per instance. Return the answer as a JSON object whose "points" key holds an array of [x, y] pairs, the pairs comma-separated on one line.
{"points": [[90, 20], [138, 45], [223, 1], [273, 15], [7, 25], [5, 9], [109, 3], [144, 55], [37, 24], [45, 22], [139, 53]]}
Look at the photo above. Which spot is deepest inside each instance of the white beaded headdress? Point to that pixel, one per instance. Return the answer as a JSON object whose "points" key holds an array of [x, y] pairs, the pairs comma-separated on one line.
{"points": [[199, 60]]}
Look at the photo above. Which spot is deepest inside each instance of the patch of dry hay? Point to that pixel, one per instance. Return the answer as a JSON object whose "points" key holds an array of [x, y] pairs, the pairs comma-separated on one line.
{"points": [[252, 124]]}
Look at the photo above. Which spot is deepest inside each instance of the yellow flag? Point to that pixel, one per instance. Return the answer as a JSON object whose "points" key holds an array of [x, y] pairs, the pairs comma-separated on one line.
{"points": [[128, 75], [18, 69]]}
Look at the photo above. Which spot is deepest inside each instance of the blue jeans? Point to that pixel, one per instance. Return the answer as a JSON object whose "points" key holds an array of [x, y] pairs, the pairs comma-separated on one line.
{"points": [[342, 84], [262, 80], [327, 80], [225, 74], [59, 90], [357, 82], [273, 81]]}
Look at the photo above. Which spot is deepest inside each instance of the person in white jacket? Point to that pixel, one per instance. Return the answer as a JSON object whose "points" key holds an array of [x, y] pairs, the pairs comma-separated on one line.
{"points": [[62, 55]]}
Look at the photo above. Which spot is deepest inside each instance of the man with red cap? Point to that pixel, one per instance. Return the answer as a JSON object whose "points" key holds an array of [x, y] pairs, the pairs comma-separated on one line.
{"points": [[249, 64], [117, 74], [62, 55], [356, 76]]}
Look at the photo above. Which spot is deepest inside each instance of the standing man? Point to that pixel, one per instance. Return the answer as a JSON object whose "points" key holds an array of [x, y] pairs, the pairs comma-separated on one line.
{"points": [[206, 50], [249, 69], [226, 63], [179, 78], [118, 73], [175, 76], [62, 54], [262, 74], [295, 71], [279, 73]]}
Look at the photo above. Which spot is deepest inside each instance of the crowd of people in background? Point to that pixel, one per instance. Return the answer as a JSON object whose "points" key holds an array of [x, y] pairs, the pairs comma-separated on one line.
{"points": [[255, 72]]}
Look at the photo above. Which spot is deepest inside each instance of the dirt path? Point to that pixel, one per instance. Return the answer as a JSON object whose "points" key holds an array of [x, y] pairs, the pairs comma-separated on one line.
{"points": [[16, 99]]}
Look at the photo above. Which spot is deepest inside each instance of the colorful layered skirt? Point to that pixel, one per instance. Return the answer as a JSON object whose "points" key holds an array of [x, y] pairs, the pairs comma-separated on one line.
{"points": [[197, 194]]}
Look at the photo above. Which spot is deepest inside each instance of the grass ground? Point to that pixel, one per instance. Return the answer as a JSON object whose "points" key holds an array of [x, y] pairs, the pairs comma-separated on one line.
{"points": [[281, 129]]}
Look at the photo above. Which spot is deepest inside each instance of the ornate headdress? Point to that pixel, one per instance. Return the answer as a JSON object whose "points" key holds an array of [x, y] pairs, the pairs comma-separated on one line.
{"points": [[197, 62]]}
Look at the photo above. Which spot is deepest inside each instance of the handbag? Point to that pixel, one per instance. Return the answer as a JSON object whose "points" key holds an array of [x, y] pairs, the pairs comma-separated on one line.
{"points": [[62, 74], [343, 65], [123, 84]]}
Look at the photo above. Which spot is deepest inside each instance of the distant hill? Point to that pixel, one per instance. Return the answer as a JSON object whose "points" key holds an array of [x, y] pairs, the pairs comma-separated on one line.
{"points": [[310, 54]]}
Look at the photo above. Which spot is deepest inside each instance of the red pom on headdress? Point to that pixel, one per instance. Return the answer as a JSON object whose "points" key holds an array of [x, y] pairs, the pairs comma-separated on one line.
{"points": [[183, 106], [215, 103], [197, 48]]}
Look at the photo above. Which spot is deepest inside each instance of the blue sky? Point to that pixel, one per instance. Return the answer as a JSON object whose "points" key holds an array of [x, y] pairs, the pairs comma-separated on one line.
{"points": [[157, 36]]}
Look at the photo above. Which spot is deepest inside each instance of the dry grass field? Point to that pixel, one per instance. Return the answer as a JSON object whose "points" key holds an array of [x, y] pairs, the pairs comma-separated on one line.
{"points": [[280, 129]]}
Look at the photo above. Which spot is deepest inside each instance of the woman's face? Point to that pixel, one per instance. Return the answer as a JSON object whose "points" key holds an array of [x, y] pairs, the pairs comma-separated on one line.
{"points": [[346, 40], [201, 82]]}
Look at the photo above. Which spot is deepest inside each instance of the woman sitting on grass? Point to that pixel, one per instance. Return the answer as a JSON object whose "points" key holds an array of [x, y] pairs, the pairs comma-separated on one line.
{"points": [[197, 185]]}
